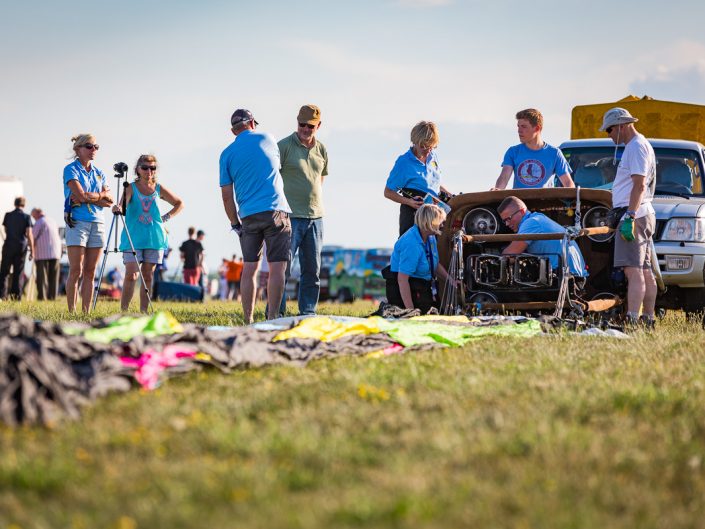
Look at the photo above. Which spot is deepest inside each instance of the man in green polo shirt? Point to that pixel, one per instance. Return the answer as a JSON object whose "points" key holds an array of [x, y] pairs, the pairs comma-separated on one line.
{"points": [[304, 165]]}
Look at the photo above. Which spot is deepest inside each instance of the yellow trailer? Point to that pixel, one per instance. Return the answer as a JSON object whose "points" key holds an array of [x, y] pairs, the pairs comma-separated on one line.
{"points": [[657, 119]]}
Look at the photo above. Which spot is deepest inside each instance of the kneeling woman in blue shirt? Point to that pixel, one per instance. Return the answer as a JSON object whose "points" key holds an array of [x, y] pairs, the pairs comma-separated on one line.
{"points": [[414, 263]]}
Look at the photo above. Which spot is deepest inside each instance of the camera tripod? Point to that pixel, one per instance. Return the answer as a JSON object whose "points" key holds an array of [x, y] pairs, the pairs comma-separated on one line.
{"points": [[120, 171]]}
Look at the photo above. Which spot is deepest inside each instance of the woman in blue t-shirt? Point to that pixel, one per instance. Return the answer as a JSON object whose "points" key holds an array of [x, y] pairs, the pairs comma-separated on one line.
{"points": [[145, 224], [414, 264], [415, 174], [85, 194]]}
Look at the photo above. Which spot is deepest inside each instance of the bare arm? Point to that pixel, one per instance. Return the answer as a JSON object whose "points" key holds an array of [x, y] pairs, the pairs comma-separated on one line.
{"points": [[229, 203], [405, 290], [637, 193], [396, 197], [172, 199], [122, 207], [30, 240], [566, 180], [503, 178], [515, 247], [80, 195], [441, 271]]}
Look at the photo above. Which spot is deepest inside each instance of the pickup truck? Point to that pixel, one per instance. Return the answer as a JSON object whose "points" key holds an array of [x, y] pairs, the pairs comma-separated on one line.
{"points": [[679, 199]]}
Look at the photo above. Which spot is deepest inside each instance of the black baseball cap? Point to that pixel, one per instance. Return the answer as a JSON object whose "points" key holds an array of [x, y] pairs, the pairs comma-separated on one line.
{"points": [[241, 115]]}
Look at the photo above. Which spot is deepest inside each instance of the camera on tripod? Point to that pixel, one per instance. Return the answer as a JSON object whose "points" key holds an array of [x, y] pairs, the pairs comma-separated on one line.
{"points": [[120, 168]]}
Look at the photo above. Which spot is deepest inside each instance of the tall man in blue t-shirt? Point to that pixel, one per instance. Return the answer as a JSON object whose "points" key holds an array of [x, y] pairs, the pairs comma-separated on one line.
{"points": [[533, 162], [249, 170]]}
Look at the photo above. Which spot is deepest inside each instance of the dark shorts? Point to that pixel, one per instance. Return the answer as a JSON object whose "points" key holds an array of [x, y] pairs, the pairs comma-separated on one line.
{"points": [[421, 291], [636, 253], [272, 227]]}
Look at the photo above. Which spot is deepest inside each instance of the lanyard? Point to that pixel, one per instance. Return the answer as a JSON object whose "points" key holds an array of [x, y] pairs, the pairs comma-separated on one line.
{"points": [[429, 258], [432, 268]]}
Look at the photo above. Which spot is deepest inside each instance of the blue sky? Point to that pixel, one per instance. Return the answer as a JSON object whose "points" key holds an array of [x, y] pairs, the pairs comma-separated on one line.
{"points": [[164, 77]]}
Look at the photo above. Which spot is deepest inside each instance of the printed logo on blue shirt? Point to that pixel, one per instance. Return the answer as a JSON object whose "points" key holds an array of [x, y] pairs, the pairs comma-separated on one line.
{"points": [[531, 172]]}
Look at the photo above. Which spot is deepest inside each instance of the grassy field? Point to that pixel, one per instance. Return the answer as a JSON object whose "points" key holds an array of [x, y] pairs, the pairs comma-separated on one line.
{"points": [[550, 432]]}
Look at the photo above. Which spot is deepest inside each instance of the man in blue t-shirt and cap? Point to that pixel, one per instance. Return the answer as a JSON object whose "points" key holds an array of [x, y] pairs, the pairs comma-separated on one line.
{"points": [[534, 162], [519, 219], [249, 172]]}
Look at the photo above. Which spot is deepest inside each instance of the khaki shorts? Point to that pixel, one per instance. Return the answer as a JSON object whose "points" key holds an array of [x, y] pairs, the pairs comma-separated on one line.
{"points": [[272, 227], [636, 253]]}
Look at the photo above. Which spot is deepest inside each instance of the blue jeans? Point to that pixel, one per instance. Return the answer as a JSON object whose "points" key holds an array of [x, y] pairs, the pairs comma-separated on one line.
{"points": [[307, 238]]}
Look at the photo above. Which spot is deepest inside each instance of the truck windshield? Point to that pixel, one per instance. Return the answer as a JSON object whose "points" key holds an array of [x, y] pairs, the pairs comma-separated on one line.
{"points": [[678, 171]]}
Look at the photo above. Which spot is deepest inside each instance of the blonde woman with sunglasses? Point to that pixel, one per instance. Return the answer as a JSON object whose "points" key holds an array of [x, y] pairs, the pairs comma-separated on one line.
{"points": [[86, 193]]}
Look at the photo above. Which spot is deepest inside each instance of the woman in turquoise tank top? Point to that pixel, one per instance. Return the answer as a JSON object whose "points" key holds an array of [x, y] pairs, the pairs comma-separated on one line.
{"points": [[146, 226]]}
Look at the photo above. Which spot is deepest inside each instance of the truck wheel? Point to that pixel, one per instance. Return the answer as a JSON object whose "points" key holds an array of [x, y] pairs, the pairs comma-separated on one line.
{"points": [[694, 305]]}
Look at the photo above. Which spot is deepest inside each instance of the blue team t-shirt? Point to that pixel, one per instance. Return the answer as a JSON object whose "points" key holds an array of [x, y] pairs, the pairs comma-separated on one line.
{"points": [[251, 164], [539, 223], [409, 171], [92, 181], [411, 256], [534, 169]]}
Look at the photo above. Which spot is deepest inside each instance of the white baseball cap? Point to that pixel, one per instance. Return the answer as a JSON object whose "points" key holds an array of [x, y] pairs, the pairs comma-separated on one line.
{"points": [[616, 116]]}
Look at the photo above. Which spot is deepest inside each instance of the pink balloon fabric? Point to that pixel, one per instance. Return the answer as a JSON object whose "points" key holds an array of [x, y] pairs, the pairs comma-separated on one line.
{"points": [[150, 364]]}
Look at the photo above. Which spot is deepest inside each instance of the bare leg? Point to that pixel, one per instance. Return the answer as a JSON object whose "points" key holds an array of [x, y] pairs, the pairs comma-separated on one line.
{"points": [[128, 286], [148, 274], [650, 293], [636, 289], [75, 255], [275, 287], [89, 265], [247, 282]]}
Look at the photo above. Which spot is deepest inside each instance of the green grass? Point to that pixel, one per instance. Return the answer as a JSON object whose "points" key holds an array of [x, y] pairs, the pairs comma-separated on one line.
{"points": [[554, 432]]}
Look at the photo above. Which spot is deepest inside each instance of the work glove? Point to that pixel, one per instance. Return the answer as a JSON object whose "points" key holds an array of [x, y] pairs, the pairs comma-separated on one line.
{"points": [[626, 229]]}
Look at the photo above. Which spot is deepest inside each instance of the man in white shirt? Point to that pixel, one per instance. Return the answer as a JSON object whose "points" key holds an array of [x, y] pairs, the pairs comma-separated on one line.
{"points": [[632, 189]]}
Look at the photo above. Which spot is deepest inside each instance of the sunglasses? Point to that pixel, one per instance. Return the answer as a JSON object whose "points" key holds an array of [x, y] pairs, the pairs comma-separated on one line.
{"points": [[148, 167], [91, 146], [506, 220], [307, 126], [609, 130]]}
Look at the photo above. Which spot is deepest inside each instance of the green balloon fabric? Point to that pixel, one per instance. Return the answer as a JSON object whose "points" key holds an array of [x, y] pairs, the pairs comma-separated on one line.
{"points": [[410, 332], [127, 327]]}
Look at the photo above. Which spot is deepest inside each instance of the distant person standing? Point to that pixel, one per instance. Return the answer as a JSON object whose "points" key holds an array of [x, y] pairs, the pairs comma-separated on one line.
{"points": [[192, 255], [533, 161], [249, 170], [18, 240], [415, 174], [304, 166], [233, 275], [202, 268], [263, 279], [632, 190], [47, 253]]}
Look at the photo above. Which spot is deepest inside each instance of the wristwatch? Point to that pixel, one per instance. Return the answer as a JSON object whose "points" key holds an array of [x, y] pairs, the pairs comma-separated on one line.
{"points": [[630, 213]]}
